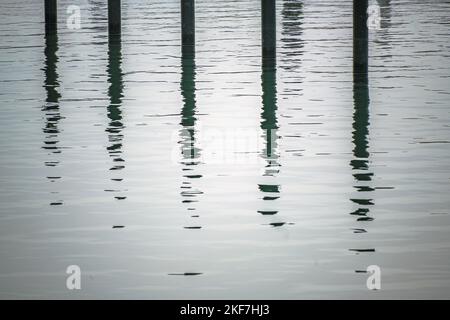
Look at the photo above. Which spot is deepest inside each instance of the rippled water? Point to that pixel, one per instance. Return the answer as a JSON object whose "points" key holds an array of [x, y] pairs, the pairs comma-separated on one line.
{"points": [[213, 177]]}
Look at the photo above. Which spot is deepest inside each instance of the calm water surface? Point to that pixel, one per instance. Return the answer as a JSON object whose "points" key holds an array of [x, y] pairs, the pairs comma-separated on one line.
{"points": [[214, 177]]}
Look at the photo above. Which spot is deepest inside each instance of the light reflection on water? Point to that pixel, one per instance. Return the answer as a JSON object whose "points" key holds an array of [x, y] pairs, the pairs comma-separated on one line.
{"points": [[352, 167]]}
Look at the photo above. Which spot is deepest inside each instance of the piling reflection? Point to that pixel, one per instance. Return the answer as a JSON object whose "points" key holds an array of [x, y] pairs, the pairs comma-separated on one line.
{"points": [[269, 125], [383, 35], [385, 14], [115, 93], [51, 84], [360, 161], [97, 10], [190, 153], [51, 106], [291, 34]]}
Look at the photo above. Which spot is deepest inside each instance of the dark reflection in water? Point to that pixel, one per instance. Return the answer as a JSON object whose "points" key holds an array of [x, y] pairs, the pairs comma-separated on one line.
{"points": [[360, 161], [383, 36], [115, 93], [98, 10], [269, 126], [51, 106], [291, 34], [386, 15], [51, 84], [186, 274], [190, 153]]}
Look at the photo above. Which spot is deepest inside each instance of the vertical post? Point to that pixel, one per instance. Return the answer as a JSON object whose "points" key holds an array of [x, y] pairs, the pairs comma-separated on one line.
{"points": [[268, 28], [360, 86], [114, 17], [360, 38], [360, 134], [188, 26], [268, 80], [51, 25]]}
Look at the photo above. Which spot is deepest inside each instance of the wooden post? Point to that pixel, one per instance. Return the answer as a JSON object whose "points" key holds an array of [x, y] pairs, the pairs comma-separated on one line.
{"points": [[114, 17], [360, 38], [188, 26], [51, 25], [268, 28], [360, 86]]}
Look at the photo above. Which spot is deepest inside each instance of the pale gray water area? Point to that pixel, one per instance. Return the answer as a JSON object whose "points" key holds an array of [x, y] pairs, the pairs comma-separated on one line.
{"points": [[296, 181]]}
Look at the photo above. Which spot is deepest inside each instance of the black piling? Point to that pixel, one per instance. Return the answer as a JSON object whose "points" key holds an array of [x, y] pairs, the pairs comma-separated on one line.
{"points": [[188, 27], [114, 17], [51, 25], [360, 38], [270, 191], [268, 28], [360, 87], [360, 135]]}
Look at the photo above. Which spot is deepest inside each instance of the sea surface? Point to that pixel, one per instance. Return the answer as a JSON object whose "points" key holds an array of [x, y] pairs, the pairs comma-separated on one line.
{"points": [[213, 177]]}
